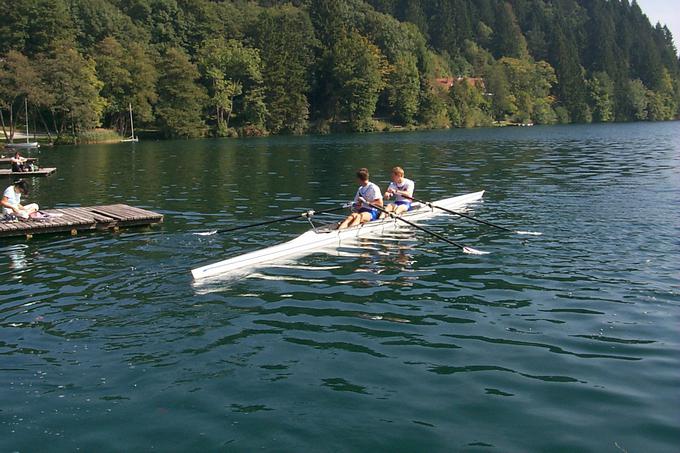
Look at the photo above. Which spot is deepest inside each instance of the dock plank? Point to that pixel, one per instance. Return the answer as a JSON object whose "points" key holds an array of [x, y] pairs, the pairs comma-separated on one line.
{"points": [[129, 215], [83, 218], [26, 174]]}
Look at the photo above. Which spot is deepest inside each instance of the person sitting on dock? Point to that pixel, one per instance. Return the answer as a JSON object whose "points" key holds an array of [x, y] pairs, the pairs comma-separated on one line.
{"points": [[11, 202], [19, 163], [400, 188], [367, 194]]}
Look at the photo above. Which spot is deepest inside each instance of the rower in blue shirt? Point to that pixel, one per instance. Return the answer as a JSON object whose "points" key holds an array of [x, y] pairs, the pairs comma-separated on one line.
{"points": [[366, 193]]}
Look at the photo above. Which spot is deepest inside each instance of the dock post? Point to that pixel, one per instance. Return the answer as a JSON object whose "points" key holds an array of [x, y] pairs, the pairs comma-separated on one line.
{"points": [[74, 232]]}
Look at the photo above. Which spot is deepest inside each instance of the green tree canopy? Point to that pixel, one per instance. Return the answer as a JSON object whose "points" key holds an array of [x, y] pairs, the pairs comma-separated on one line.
{"points": [[286, 37], [359, 73], [180, 98]]}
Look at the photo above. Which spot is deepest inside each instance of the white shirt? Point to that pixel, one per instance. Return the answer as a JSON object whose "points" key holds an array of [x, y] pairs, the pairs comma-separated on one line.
{"points": [[369, 192], [406, 186], [13, 197]]}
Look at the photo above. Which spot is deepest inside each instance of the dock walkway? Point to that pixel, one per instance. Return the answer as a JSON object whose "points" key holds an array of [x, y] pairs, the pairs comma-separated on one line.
{"points": [[108, 217], [8, 160], [27, 174]]}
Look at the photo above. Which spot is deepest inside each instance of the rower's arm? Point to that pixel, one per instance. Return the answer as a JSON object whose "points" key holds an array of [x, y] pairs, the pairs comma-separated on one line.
{"points": [[6, 204]]}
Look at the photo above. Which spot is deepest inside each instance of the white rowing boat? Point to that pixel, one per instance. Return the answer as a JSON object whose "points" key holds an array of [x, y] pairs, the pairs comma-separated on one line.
{"points": [[27, 145], [326, 236]]}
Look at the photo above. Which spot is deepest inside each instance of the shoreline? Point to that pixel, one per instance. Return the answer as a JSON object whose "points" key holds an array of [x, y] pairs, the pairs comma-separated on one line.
{"points": [[110, 137]]}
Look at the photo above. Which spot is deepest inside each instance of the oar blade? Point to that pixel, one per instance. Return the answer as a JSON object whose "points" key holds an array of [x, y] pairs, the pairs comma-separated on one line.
{"points": [[529, 233], [206, 233], [471, 251]]}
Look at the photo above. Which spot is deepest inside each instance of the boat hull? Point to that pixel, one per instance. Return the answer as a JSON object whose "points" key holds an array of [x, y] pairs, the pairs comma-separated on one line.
{"points": [[31, 145], [325, 237]]}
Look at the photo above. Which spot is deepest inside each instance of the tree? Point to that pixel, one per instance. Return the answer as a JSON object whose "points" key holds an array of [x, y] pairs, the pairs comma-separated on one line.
{"points": [[530, 85], [276, 65], [468, 107], [403, 89], [662, 104], [95, 20], [286, 40], [76, 104], [503, 102], [233, 70], [130, 84], [508, 40], [144, 76], [359, 71], [637, 100], [571, 84], [116, 78], [601, 88], [33, 26], [180, 97], [19, 81], [433, 110]]}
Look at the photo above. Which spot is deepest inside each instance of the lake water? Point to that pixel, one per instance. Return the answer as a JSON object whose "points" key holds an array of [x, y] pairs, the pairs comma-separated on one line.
{"points": [[564, 342]]}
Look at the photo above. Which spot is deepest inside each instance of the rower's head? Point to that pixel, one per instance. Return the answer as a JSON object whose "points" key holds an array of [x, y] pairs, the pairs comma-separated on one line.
{"points": [[397, 174], [21, 186], [362, 175], [16, 154]]}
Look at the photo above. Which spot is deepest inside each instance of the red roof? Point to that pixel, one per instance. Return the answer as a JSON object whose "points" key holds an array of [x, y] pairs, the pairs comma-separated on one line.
{"points": [[448, 82]]}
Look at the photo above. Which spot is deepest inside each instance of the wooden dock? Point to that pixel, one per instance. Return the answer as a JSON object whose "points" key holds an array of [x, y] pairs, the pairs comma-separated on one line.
{"points": [[28, 174], [73, 220], [8, 160]]}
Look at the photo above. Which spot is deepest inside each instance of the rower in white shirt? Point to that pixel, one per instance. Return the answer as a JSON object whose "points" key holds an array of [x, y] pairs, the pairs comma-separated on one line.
{"points": [[399, 188], [366, 193]]}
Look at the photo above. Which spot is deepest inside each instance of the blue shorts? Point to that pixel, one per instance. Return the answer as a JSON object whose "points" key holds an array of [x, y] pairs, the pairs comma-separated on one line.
{"points": [[404, 203], [374, 212]]}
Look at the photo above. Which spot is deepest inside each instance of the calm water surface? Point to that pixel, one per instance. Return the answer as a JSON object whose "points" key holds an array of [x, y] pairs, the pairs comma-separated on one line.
{"points": [[565, 342]]}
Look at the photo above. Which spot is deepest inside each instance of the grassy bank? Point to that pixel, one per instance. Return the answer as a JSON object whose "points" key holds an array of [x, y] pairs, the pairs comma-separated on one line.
{"points": [[99, 135]]}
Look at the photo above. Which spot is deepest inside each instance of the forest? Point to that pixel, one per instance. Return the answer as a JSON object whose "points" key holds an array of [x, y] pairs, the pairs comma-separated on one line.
{"points": [[194, 68]]}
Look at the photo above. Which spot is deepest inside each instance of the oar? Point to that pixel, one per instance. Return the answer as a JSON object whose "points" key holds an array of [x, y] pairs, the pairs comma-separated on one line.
{"points": [[303, 215], [464, 248], [431, 205]]}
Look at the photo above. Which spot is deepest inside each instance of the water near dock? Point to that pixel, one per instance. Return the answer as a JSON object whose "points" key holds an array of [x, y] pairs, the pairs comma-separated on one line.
{"points": [[568, 342]]}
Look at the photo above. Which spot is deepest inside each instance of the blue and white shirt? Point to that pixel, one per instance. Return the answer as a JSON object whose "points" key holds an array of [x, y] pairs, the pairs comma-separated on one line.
{"points": [[369, 192], [406, 185]]}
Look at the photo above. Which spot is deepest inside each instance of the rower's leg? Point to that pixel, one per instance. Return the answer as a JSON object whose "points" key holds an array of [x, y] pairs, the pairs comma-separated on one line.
{"points": [[401, 209], [388, 208], [348, 222], [365, 217], [356, 220]]}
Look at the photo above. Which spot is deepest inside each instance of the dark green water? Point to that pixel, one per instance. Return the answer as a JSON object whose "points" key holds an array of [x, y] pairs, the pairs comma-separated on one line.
{"points": [[567, 343]]}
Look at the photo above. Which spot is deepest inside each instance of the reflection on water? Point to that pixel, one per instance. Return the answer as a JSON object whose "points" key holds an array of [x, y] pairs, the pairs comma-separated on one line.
{"points": [[561, 342], [17, 260]]}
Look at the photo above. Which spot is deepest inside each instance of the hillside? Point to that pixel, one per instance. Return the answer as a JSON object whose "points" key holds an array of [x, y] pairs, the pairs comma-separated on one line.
{"points": [[198, 67]]}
